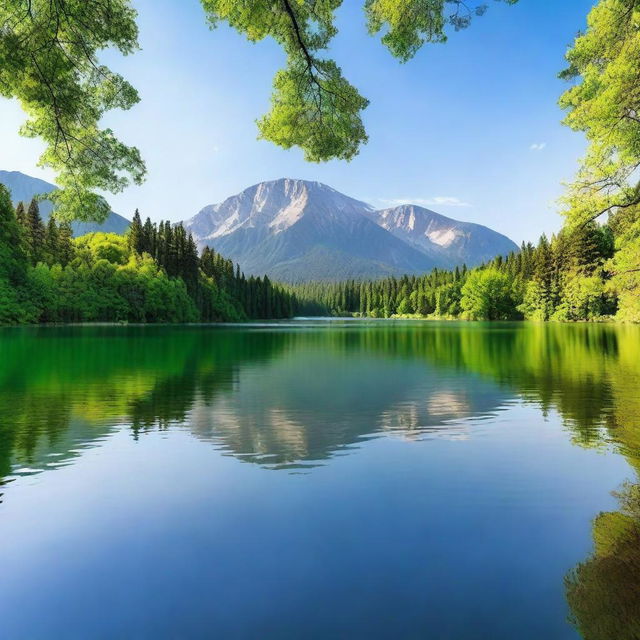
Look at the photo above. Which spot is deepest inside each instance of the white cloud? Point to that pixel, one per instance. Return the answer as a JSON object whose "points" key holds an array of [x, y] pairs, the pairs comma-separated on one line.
{"points": [[435, 201], [537, 146]]}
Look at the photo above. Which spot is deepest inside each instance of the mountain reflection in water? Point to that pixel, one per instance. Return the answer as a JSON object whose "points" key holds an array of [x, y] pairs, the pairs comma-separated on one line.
{"points": [[290, 397]]}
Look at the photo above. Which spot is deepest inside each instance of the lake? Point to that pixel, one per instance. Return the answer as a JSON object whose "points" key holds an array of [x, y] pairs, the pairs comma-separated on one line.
{"points": [[320, 479]]}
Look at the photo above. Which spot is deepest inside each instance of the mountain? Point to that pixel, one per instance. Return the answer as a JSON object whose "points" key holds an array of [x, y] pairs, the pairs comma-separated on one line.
{"points": [[24, 187], [459, 242], [297, 230]]}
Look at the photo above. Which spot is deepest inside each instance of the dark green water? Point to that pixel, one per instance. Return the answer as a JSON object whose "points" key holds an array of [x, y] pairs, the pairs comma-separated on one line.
{"points": [[320, 480]]}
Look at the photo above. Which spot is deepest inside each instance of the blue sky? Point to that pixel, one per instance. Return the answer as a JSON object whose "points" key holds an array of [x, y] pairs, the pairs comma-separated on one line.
{"points": [[470, 129]]}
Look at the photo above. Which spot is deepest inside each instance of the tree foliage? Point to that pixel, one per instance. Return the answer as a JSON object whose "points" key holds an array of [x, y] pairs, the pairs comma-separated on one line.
{"points": [[49, 63], [313, 106], [153, 274], [605, 105], [624, 265], [486, 295]]}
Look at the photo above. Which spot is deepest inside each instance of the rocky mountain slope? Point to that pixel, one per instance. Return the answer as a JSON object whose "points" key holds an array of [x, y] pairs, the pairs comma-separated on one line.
{"points": [[297, 230], [458, 242]]}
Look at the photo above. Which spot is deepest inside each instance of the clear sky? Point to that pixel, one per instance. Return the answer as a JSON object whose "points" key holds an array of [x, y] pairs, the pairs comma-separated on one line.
{"points": [[470, 129]]}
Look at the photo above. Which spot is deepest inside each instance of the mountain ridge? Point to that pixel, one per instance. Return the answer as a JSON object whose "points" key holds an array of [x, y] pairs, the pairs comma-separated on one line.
{"points": [[298, 230], [23, 188]]}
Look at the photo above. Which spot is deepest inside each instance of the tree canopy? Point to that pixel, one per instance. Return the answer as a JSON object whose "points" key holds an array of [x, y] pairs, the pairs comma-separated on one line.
{"points": [[49, 63], [604, 103], [313, 106]]}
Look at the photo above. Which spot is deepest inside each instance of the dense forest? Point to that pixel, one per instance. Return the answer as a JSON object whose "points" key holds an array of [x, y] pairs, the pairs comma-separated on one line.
{"points": [[154, 274], [586, 272], [589, 271], [151, 274]]}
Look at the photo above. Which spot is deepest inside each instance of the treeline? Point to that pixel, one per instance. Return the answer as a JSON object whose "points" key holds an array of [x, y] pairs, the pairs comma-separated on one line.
{"points": [[151, 274], [589, 272], [175, 251]]}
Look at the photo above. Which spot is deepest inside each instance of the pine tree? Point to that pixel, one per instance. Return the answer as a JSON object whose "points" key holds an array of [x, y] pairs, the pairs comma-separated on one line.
{"points": [[135, 233], [148, 238], [13, 261], [21, 215], [65, 244], [52, 241], [35, 233]]}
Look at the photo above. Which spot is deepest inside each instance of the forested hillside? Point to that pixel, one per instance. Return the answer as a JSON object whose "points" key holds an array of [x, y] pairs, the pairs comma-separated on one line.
{"points": [[152, 274], [588, 272]]}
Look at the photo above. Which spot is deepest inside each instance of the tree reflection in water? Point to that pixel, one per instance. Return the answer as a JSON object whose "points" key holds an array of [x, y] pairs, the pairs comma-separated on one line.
{"points": [[285, 398]]}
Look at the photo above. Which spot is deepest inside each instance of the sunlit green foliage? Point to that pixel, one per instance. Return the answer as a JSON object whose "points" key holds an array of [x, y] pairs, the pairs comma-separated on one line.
{"points": [[605, 104], [313, 106], [487, 295], [408, 24], [625, 264], [49, 63], [152, 275]]}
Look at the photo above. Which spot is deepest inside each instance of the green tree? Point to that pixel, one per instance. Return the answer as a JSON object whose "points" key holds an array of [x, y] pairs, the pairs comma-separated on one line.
{"points": [[21, 214], [605, 105], [624, 266], [134, 232], [65, 244], [486, 295], [583, 298], [13, 263], [52, 242], [35, 233], [49, 63]]}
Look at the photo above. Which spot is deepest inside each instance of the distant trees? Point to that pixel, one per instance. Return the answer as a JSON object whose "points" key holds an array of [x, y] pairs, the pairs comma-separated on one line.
{"points": [[153, 274], [436, 293], [583, 273]]}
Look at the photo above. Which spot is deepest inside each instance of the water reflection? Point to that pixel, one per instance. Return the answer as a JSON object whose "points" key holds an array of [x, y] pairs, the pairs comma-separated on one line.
{"points": [[276, 397], [604, 591], [293, 397], [282, 397]]}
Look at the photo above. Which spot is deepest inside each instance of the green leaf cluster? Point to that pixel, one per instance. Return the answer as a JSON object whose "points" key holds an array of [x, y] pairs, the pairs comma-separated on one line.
{"points": [[604, 103], [313, 106], [49, 63]]}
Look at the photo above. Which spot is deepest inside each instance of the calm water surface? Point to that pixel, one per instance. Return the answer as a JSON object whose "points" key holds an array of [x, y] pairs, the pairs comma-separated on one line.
{"points": [[320, 479]]}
